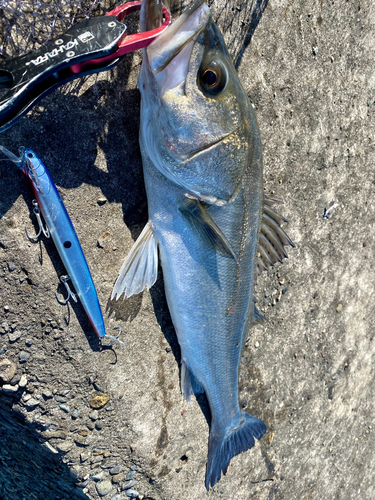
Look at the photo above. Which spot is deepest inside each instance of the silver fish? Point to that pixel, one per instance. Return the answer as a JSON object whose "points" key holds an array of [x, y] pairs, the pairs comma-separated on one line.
{"points": [[208, 217]]}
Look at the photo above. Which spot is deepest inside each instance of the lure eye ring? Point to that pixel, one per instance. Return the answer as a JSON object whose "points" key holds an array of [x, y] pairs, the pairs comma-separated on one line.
{"points": [[212, 78]]}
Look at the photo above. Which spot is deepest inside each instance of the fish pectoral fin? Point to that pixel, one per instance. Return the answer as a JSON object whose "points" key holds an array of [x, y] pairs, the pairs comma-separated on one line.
{"points": [[189, 384], [140, 268], [207, 228]]}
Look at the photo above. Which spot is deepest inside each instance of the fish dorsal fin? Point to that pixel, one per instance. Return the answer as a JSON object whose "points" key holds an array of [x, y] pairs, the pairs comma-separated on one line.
{"points": [[204, 224], [189, 384], [140, 268], [272, 238]]}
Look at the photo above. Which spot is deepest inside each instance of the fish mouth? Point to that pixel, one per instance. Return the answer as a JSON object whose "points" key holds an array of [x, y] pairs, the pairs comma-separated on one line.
{"points": [[170, 43]]}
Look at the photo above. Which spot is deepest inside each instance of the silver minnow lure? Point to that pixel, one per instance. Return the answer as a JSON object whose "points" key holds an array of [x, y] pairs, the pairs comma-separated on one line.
{"points": [[59, 226], [208, 218]]}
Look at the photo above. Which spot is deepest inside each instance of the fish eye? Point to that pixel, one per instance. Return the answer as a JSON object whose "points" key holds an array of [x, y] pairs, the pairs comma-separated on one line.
{"points": [[212, 78]]}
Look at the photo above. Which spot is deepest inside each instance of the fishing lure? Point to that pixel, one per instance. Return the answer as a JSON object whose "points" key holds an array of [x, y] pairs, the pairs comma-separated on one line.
{"points": [[58, 225]]}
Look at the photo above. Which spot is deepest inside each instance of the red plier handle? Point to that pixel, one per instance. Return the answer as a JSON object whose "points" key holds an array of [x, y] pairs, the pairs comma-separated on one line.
{"points": [[129, 43], [90, 46]]}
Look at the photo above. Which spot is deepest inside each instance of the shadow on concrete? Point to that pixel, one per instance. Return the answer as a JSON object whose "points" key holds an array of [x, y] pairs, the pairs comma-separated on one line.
{"points": [[28, 469]]}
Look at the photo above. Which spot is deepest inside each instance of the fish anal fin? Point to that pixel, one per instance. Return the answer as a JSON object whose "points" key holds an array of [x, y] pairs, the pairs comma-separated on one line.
{"points": [[257, 315], [140, 268], [205, 225], [189, 384], [224, 445]]}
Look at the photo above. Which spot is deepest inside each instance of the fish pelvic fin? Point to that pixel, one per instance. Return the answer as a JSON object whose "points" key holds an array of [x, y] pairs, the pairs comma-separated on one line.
{"points": [[189, 384], [272, 238], [140, 268], [222, 447], [206, 227]]}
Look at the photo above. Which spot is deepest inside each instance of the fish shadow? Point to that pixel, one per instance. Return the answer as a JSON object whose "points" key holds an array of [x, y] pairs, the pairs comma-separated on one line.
{"points": [[164, 319]]}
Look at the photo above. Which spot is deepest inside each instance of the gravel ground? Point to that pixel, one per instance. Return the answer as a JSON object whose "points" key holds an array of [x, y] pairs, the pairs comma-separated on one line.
{"points": [[81, 421]]}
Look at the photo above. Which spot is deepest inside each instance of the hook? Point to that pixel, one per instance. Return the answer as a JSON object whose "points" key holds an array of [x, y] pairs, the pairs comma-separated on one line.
{"points": [[43, 229], [115, 339], [64, 280]]}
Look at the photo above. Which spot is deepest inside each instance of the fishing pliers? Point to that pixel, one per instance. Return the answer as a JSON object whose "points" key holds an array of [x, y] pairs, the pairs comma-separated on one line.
{"points": [[90, 46]]}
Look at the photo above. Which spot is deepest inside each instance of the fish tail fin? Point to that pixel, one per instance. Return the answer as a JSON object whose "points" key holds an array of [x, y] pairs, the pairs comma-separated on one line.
{"points": [[223, 446]]}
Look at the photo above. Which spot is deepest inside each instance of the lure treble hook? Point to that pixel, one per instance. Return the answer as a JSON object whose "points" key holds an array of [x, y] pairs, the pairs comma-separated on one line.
{"points": [[64, 280], [42, 229], [114, 338]]}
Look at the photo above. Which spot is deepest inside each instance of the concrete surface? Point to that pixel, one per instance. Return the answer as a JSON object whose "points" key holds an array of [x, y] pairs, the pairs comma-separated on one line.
{"points": [[309, 370]]}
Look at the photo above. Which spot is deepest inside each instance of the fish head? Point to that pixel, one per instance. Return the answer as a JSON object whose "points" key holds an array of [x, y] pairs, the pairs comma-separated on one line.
{"points": [[197, 124]]}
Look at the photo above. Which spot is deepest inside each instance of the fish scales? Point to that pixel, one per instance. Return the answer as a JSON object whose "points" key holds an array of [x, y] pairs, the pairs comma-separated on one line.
{"points": [[202, 165]]}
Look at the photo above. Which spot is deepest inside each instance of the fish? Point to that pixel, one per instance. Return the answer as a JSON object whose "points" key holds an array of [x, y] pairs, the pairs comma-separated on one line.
{"points": [[59, 226], [210, 223]]}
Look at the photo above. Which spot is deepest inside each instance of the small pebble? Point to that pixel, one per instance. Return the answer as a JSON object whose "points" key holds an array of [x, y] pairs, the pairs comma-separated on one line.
{"points": [[109, 465], [97, 477], [97, 387], [334, 377], [6, 309], [23, 381], [7, 370], [10, 388], [75, 413], [104, 487], [94, 415], [29, 342], [130, 475], [243, 359], [109, 408], [116, 470], [285, 290], [5, 326], [46, 393], [11, 266], [65, 446], [90, 426], [64, 408], [128, 485], [97, 460], [133, 467], [15, 380], [3, 349], [13, 337], [132, 494], [116, 497], [99, 400], [257, 344], [60, 399], [84, 456], [59, 434], [339, 308], [81, 440], [31, 403], [24, 356], [117, 478], [99, 425]]}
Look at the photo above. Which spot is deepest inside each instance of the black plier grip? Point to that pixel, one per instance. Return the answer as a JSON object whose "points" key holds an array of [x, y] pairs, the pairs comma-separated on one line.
{"points": [[90, 46]]}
